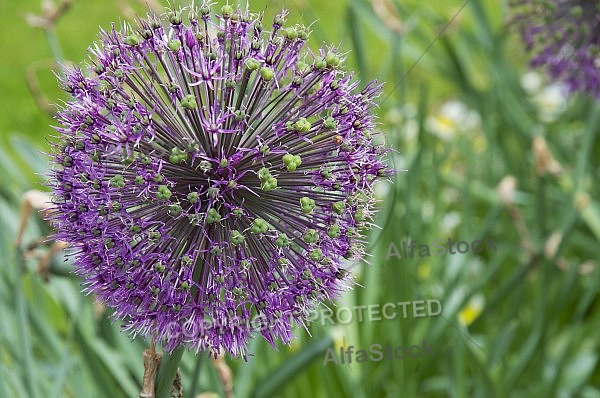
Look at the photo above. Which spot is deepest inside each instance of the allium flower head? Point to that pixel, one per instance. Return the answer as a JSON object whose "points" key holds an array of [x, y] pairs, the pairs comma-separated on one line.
{"points": [[564, 36], [213, 177]]}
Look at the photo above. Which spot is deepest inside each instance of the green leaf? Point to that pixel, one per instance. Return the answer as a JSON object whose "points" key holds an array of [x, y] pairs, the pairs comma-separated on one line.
{"points": [[166, 372], [291, 368]]}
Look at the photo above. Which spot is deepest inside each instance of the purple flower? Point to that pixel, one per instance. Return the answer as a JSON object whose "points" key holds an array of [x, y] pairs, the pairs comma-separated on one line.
{"points": [[564, 36], [213, 178]]}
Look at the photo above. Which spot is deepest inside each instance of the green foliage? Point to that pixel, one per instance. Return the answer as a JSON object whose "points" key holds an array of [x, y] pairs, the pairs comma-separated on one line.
{"points": [[521, 321]]}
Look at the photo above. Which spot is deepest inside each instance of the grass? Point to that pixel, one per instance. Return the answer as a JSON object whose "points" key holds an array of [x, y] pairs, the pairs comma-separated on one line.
{"points": [[533, 303]]}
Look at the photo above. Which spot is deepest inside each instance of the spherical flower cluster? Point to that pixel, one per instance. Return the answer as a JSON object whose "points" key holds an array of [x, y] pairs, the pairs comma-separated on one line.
{"points": [[213, 177], [564, 36]]}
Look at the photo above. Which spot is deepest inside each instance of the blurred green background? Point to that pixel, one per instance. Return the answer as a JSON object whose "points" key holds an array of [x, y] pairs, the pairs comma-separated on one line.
{"points": [[490, 148]]}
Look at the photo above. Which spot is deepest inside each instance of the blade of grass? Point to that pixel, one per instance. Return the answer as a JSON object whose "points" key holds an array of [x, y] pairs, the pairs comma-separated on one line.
{"points": [[63, 367], [286, 372], [25, 341], [167, 371]]}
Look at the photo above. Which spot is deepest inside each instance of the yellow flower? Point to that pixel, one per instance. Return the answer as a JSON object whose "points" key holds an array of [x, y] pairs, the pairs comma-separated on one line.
{"points": [[472, 310], [423, 270], [453, 118]]}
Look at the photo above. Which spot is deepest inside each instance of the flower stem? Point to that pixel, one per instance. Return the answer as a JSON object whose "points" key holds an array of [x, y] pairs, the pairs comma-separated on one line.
{"points": [[55, 46], [167, 371]]}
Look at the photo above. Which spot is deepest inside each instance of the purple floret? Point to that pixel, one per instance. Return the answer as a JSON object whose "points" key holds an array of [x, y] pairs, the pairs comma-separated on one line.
{"points": [[213, 178], [564, 37]]}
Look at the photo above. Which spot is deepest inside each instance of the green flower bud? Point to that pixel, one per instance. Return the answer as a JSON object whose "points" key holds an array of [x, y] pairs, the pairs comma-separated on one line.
{"points": [[282, 241], [117, 181], [326, 173], [306, 275], [175, 210], [267, 73], [302, 125], [311, 236], [332, 60], [212, 216], [192, 197], [236, 237], [132, 40], [188, 102], [278, 20], [316, 254], [269, 184], [576, 12], [177, 155], [174, 45], [339, 207], [237, 212], [302, 33], [226, 11], [264, 173], [239, 115], [329, 123], [290, 33], [334, 231], [205, 166], [341, 273], [272, 287], [245, 265], [119, 263], [291, 162], [320, 63], [307, 204], [265, 150], [283, 261], [297, 80], [359, 216], [67, 161], [135, 229], [159, 267], [301, 68], [213, 192], [163, 192], [175, 18], [259, 226]]}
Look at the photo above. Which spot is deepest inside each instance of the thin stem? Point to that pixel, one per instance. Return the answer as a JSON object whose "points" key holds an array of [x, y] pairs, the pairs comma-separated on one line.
{"points": [[196, 375], [54, 43], [167, 371], [151, 363], [23, 326]]}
